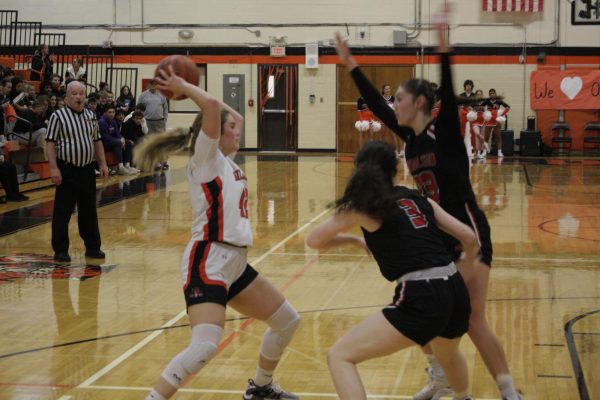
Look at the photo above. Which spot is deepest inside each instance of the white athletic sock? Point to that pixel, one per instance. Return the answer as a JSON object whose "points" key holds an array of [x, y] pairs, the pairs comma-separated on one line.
{"points": [[154, 395], [436, 368], [507, 387], [263, 377]]}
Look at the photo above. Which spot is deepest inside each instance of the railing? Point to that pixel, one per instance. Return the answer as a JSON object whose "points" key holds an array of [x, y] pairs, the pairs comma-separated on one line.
{"points": [[56, 43], [7, 17], [120, 76], [23, 41], [97, 67]]}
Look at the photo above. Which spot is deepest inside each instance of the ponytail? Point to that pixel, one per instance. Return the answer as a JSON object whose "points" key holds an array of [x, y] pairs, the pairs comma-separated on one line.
{"points": [[157, 147]]}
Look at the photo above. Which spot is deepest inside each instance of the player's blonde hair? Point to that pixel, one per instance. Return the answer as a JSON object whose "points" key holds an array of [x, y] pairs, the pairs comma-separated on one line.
{"points": [[157, 147]]}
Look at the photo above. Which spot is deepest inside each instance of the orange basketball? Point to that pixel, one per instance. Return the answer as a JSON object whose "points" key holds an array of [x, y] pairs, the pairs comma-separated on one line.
{"points": [[182, 66]]}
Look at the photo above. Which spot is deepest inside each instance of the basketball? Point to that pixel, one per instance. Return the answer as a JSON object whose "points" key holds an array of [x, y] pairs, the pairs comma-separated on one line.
{"points": [[182, 66]]}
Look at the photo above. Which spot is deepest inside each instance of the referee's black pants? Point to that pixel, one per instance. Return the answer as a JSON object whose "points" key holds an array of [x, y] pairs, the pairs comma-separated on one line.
{"points": [[78, 187]]}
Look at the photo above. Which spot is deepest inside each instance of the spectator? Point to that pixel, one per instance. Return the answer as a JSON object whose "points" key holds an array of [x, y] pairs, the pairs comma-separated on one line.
{"points": [[141, 107], [71, 141], [51, 105], [18, 86], [36, 129], [156, 114], [120, 118], [91, 104], [115, 142], [126, 101], [6, 107], [132, 128], [157, 109], [103, 87], [58, 88], [76, 71], [102, 102], [42, 64], [60, 103], [9, 180], [46, 88], [468, 86]]}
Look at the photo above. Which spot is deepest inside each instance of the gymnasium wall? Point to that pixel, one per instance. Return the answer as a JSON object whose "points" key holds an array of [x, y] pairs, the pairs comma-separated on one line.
{"points": [[236, 22], [488, 45]]}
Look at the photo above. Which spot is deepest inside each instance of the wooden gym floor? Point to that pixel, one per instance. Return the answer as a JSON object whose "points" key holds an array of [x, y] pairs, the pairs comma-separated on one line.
{"points": [[106, 331]]}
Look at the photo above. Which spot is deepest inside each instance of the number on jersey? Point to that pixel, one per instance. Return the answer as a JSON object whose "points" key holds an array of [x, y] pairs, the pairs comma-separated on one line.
{"points": [[244, 203], [427, 185], [414, 214]]}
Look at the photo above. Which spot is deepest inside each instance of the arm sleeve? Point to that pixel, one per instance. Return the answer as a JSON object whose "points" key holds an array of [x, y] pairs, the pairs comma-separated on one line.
{"points": [[448, 122], [377, 103], [96, 131], [207, 160], [54, 129]]}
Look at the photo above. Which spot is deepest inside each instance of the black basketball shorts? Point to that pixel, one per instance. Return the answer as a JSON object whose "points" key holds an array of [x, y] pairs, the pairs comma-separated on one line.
{"points": [[425, 309]]}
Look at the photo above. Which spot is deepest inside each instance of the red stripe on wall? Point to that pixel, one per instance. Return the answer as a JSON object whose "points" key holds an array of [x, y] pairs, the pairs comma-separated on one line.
{"points": [[365, 60]]}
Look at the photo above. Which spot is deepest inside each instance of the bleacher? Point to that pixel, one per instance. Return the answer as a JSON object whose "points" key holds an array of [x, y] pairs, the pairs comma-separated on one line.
{"points": [[18, 41]]}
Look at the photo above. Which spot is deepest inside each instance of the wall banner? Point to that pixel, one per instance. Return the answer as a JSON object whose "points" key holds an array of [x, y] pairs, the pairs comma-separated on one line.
{"points": [[565, 90]]}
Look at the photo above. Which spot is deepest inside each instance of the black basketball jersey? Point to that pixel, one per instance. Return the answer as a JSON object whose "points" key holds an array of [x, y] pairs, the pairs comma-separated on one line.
{"points": [[408, 239], [437, 158]]}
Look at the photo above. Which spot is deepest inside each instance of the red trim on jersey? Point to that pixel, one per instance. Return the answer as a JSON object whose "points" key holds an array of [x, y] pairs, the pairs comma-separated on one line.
{"points": [[202, 268], [209, 199], [190, 265], [221, 227], [209, 211]]}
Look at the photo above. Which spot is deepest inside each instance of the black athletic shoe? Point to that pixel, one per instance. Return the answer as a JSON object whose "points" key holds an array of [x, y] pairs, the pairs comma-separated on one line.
{"points": [[270, 391], [95, 254], [62, 257]]}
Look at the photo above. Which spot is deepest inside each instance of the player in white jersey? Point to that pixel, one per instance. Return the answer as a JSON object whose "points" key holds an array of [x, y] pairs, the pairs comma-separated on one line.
{"points": [[214, 269]]}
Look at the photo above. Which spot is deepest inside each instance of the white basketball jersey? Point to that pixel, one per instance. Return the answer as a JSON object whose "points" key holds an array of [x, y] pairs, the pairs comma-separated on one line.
{"points": [[219, 196]]}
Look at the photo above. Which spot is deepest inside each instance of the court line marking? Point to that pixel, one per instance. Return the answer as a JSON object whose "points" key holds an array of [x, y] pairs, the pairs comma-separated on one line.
{"points": [[65, 397], [557, 260], [237, 392], [89, 381]]}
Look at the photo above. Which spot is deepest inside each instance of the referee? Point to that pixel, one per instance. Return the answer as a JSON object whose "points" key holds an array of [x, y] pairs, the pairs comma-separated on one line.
{"points": [[71, 139]]}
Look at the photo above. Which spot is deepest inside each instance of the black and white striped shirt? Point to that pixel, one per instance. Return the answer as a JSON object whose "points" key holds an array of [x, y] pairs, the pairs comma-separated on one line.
{"points": [[74, 134]]}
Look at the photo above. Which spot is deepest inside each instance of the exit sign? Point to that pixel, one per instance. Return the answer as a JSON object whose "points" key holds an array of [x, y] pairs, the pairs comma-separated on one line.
{"points": [[277, 51]]}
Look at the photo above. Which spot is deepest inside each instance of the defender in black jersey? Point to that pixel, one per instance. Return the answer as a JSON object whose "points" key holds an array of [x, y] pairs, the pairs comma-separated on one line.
{"points": [[438, 161], [401, 230]]}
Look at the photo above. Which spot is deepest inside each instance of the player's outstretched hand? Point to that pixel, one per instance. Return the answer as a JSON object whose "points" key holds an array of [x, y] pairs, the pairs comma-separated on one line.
{"points": [[169, 81]]}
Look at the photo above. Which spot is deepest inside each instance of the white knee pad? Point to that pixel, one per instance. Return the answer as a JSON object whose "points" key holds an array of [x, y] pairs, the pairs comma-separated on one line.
{"points": [[282, 325], [203, 346]]}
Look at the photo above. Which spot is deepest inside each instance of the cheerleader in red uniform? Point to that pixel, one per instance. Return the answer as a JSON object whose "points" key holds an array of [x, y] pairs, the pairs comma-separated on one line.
{"points": [[366, 123], [476, 116], [499, 109]]}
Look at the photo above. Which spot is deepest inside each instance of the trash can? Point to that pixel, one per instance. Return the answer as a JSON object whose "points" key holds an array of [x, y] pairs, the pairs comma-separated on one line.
{"points": [[531, 123]]}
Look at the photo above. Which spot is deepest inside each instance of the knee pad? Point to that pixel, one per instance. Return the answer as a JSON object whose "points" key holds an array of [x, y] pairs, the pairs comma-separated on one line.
{"points": [[203, 347], [282, 325]]}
